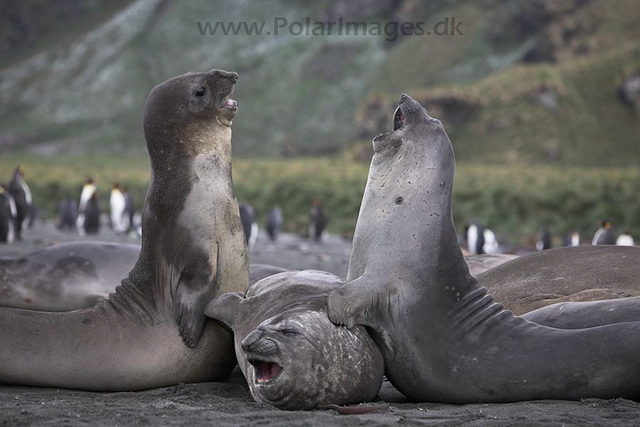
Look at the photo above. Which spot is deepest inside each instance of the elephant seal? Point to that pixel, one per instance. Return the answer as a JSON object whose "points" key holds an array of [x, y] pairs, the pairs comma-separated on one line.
{"points": [[292, 356], [581, 273], [75, 275], [65, 277], [580, 315], [443, 337], [152, 332], [478, 264]]}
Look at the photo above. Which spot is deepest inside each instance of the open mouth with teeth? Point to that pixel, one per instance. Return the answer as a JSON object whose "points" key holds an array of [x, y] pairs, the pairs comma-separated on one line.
{"points": [[398, 119], [265, 371], [231, 104]]}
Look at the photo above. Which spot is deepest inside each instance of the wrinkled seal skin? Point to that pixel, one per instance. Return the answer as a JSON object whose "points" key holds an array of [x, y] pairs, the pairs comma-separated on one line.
{"points": [[571, 274], [65, 277], [283, 319], [444, 339], [152, 332]]}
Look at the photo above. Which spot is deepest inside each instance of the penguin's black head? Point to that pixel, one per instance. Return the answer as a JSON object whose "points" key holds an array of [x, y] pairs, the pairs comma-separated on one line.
{"points": [[184, 107]]}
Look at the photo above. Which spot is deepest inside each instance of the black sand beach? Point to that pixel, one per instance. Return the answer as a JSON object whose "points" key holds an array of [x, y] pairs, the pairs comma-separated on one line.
{"points": [[230, 403]]}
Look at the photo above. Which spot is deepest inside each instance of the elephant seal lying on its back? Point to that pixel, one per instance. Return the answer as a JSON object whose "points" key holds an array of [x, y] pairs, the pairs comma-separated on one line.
{"points": [[292, 356]]}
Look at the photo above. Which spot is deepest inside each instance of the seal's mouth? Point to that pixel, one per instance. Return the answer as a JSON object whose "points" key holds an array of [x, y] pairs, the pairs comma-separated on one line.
{"points": [[398, 119], [230, 104], [265, 371]]}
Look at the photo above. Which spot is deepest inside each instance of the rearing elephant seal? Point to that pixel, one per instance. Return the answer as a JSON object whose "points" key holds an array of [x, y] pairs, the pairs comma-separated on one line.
{"points": [[292, 356], [443, 338], [152, 332]]}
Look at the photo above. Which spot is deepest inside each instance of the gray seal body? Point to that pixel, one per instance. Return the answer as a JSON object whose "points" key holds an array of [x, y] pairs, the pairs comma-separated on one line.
{"points": [[65, 277], [443, 337], [75, 275], [569, 274], [590, 314], [292, 356], [152, 332], [478, 264]]}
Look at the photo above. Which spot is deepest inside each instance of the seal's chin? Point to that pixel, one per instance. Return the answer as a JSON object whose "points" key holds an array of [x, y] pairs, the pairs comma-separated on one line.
{"points": [[265, 371]]}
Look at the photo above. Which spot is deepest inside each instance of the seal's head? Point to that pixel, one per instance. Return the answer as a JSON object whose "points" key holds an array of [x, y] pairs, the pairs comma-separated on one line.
{"points": [[190, 111], [292, 356], [411, 183], [412, 128]]}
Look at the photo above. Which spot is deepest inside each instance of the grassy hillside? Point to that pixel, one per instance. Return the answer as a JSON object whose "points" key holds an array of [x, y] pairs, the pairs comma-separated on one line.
{"points": [[533, 82], [513, 200]]}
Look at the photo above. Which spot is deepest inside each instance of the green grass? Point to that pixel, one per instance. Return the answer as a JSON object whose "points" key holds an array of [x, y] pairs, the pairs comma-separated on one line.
{"points": [[514, 200]]}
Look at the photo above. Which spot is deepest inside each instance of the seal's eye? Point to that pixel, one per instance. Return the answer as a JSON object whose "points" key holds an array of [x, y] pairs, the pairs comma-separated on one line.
{"points": [[200, 92], [287, 329]]}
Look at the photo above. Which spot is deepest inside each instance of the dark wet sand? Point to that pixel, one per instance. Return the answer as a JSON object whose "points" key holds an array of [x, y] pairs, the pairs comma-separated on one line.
{"points": [[230, 403]]}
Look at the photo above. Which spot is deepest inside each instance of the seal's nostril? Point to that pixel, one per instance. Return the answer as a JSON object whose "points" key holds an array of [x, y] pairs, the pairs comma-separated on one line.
{"points": [[403, 98], [251, 339]]}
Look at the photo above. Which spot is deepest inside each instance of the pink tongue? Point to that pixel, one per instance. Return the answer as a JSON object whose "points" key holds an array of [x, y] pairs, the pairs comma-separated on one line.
{"points": [[269, 370], [275, 369]]}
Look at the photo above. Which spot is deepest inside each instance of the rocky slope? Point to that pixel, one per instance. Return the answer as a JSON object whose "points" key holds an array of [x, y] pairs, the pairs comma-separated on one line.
{"points": [[542, 81]]}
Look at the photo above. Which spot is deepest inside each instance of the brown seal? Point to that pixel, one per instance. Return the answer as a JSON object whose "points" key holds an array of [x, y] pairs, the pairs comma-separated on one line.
{"points": [[152, 332]]}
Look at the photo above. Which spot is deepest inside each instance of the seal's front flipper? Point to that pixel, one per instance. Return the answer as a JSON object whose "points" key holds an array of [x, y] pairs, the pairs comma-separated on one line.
{"points": [[366, 302], [225, 308], [355, 303], [195, 290]]}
